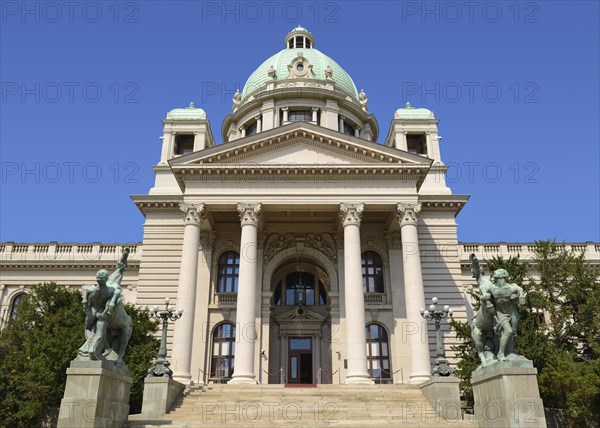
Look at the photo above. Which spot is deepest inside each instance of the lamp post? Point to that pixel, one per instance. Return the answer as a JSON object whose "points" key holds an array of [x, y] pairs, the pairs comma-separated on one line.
{"points": [[161, 366], [440, 366]]}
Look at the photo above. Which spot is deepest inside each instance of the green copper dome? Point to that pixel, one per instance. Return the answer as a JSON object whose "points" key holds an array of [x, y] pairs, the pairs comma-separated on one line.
{"points": [[409, 112], [317, 59], [188, 113]]}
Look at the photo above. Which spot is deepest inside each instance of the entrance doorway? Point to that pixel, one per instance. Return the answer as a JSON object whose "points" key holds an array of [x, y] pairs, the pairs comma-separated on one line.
{"points": [[300, 364]]}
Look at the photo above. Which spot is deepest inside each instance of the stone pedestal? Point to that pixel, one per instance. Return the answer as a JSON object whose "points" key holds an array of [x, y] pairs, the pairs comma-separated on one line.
{"points": [[443, 394], [507, 396], [159, 394], [96, 395]]}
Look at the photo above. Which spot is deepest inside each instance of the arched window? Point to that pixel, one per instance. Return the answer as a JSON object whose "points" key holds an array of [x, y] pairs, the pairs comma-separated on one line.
{"points": [[223, 351], [14, 307], [378, 354], [300, 288], [372, 272], [229, 271]]}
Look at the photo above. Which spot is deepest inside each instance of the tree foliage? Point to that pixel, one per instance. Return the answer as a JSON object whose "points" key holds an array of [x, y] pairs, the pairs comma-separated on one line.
{"points": [[37, 348], [563, 344]]}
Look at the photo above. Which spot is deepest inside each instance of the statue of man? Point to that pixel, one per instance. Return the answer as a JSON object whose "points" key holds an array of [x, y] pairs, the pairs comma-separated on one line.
{"points": [[506, 296], [107, 325]]}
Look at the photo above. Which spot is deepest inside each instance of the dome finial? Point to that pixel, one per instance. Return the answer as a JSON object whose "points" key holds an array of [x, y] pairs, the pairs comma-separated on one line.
{"points": [[191, 105]]}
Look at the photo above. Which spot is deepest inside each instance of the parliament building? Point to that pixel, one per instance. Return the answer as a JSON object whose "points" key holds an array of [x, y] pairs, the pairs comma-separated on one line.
{"points": [[302, 248]]}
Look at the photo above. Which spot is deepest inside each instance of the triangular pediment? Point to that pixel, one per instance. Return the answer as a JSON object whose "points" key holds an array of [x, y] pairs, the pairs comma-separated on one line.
{"points": [[300, 144], [300, 152]]}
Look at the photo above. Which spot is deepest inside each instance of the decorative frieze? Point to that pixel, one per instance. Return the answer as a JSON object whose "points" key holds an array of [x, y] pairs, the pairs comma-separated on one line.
{"points": [[393, 240], [323, 243], [351, 213], [276, 243], [408, 213], [207, 240]]}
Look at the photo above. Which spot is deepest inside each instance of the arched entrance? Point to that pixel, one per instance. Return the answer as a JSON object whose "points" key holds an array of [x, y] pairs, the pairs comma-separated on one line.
{"points": [[300, 322]]}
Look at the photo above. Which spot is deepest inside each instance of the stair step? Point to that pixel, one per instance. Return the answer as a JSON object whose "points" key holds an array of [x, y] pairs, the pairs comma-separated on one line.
{"points": [[321, 406]]}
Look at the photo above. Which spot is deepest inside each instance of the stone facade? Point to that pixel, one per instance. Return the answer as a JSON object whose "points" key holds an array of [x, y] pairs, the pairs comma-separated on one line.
{"points": [[316, 243]]}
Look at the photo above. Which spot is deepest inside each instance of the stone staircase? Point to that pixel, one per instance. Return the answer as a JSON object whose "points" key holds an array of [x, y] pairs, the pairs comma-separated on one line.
{"points": [[320, 406]]}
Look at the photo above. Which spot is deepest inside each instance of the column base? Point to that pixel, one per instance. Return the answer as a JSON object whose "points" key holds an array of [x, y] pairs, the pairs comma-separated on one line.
{"points": [[358, 380], [184, 378], [243, 380], [417, 378]]}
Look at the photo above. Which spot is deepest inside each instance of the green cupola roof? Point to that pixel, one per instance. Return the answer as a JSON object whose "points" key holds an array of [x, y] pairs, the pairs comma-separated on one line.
{"points": [[188, 113], [300, 42], [409, 112]]}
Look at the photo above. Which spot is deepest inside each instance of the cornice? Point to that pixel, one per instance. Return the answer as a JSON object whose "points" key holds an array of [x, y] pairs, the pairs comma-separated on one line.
{"points": [[299, 172], [157, 203], [443, 203], [305, 130], [75, 265]]}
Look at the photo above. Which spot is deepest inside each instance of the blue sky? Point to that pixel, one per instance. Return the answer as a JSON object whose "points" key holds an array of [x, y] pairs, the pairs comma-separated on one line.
{"points": [[85, 86]]}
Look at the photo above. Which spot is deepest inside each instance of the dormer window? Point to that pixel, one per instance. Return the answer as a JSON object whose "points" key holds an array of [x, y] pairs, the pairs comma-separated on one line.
{"points": [[416, 144], [348, 129], [251, 129], [300, 116], [184, 144]]}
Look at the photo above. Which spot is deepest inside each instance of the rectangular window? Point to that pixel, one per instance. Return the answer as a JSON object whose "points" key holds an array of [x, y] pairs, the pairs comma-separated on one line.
{"points": [[416, 144], [348, 129], [184, 144], [251, 129], [300, 116]]}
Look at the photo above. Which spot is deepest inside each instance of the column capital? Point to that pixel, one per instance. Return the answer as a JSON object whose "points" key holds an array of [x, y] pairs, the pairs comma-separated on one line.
{"points": [[351, 213], [408, 213], [249, 213], [284, 108], [315, 109], [193, 213]]}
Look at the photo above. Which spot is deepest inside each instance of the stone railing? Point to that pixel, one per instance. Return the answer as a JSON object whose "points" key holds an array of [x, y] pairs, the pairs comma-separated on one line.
{"points": [[525, 250], [226, 298], [375, 298], [74, 252]]}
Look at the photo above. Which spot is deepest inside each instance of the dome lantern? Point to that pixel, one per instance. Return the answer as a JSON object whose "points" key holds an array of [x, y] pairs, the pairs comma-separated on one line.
{"points": [[299, 37]]}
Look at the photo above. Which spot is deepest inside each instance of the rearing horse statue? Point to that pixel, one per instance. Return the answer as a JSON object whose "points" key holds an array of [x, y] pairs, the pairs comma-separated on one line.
{"points": [[482, 326]]}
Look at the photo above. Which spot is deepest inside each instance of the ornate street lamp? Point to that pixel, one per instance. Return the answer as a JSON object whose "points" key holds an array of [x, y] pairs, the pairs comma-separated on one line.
{"points": [[440, 366], [161, 366]]}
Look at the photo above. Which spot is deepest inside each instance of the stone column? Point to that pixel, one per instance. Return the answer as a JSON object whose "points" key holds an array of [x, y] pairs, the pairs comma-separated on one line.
{"points": [[416, 331], [354, 297], [186, 292], [315, 112], [258, 123], [285, 115], [247, 294], [341, 123]]}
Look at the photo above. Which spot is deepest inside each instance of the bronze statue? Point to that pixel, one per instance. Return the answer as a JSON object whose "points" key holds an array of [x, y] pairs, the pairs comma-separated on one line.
{"points": [[495, 324], [107, 325]]}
